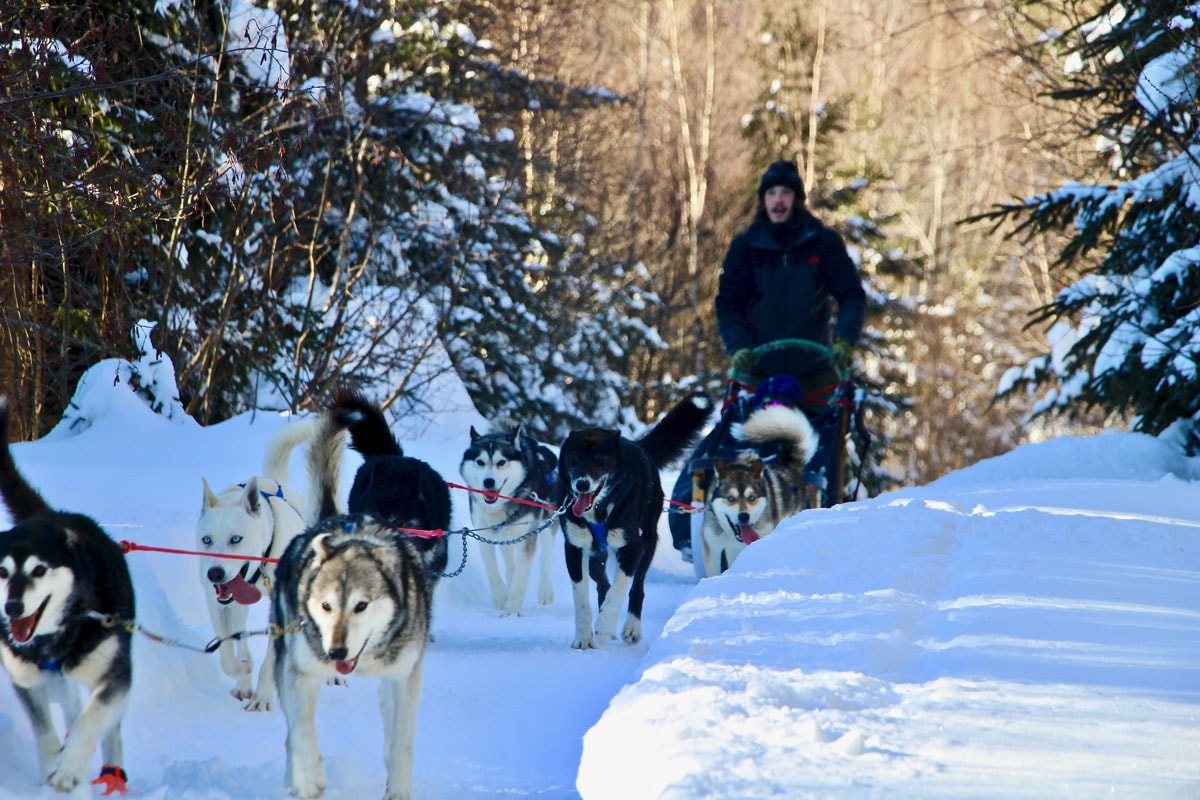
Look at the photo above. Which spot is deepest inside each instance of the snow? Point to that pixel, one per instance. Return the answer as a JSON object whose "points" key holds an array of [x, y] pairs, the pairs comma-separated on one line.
{"points": [[1026, 627], [1169, 81], [257, 37]]}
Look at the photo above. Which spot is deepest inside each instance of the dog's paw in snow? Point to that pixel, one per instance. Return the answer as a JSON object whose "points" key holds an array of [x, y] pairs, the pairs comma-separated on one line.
{"points": [[633, 631], [67, 772]]}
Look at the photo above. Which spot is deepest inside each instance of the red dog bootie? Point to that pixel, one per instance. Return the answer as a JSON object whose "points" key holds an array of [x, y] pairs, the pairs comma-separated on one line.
{"points": [[113, 779]]}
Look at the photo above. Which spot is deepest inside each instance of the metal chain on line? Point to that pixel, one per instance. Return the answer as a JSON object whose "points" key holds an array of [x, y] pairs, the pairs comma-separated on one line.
{"points": [[469, 533]]}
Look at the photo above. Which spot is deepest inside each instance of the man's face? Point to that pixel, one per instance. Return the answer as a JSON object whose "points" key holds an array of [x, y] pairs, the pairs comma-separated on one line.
{"points": [[778, 202]]}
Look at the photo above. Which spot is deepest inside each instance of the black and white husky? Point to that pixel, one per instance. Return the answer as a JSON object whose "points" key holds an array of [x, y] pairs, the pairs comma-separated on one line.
{"points": [[255, 518], [403, 491], [62, 579], [748, 497], [352, 596], [506, 467], [615, 498]]}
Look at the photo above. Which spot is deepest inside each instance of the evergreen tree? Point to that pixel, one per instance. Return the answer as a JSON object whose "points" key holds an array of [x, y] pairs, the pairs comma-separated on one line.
{"points": [[422, 138], [298, 195], [1125, 337]]}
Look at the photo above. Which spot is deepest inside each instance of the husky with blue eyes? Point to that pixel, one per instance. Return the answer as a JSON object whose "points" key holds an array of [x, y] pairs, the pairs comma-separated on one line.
{"points": [[240, 526]]}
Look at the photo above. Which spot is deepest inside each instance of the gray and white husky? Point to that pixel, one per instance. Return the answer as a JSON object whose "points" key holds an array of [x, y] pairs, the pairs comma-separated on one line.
{"points": [[352, 596], [748, 497], [506, 467], [61, 580], [255, 518]]}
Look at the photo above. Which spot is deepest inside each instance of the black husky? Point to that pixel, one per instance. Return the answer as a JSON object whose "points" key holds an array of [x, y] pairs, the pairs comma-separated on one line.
{"points": [[62, 579], [616, 498], [404, 492]]}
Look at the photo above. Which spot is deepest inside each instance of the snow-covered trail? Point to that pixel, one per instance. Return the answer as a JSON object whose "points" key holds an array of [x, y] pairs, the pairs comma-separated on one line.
{"points": [[505, 703], [1026, 627]]}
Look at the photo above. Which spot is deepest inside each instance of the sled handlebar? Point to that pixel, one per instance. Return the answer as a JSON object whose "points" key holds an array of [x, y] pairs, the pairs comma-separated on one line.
{"points": [[815, 348]]}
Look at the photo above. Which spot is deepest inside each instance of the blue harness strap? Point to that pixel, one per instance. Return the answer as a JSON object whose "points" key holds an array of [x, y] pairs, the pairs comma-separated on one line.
{"points": [[268, 495], [270, 544], [599, 535]]}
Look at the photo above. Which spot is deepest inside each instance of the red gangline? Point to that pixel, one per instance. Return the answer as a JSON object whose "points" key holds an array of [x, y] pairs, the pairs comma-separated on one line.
{"points": [[502, 497], [129, 547]]}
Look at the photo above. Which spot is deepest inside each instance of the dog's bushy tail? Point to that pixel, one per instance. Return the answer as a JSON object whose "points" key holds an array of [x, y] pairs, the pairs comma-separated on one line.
{"points": [[21, 499], [370, 434], [785, 425], [324, 463], [279, 449], [675, 434]]}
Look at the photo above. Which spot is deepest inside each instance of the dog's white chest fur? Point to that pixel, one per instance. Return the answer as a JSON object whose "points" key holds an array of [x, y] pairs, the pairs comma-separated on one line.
{"points": [[23, 673]]}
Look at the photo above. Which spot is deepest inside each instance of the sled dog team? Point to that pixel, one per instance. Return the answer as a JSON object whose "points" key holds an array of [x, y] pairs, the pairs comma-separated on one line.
{"points": [[352, 589]]}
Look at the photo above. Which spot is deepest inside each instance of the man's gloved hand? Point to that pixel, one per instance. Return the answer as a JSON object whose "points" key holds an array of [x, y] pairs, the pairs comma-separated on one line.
{"points": [[744, 360], [842, 355]]}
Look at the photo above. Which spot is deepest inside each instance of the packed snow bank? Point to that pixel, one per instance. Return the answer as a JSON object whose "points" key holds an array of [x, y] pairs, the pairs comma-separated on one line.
{"points": [[1027, 627]]}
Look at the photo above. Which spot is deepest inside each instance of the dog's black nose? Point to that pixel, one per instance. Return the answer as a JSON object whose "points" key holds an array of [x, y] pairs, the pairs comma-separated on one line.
{"points": [[489, 483], [582, 484], [339, 653], [15, 609], [216, 575], [743, 517]]}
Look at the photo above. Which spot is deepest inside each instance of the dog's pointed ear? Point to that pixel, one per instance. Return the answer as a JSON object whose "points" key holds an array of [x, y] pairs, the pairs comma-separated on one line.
{"points": [[719, 465], [210, 499], [322, 549], [517, 433], [475, 434], [252, 499], [756, 468]]}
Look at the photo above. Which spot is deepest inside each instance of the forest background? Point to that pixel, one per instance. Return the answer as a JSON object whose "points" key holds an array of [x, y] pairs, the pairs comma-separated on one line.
{"points": [[537, 195]]}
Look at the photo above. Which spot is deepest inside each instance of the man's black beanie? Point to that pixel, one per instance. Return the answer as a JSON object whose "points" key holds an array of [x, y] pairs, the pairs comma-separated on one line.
{"points": [[782, 173]]}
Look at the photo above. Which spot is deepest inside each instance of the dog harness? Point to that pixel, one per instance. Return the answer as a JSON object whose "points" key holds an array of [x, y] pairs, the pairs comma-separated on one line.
{"points": [[599, 535], [278, 493]]}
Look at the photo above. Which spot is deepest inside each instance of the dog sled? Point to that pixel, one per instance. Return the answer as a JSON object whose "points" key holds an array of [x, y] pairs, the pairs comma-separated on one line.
{"points": [[828, 398]]}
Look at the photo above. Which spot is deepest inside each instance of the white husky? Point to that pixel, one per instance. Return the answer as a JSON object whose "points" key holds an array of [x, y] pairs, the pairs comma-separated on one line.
{"points": [[257, 518]]}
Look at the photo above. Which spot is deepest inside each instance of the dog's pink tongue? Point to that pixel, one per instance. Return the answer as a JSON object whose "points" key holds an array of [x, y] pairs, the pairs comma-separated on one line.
{"points": [[748, 534], [345, 667], [244, 593], [22, 629], [582, 503]]}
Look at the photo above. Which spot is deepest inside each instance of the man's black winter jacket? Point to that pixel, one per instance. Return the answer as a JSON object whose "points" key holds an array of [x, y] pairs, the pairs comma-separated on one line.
{"points": [[778, 281]]}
